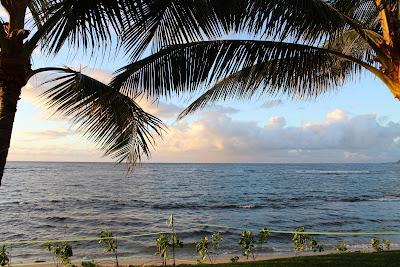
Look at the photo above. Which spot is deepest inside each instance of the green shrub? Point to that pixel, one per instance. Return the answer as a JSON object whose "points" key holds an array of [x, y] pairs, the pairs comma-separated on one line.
{"points": [[235, 259], [302, 242], [341, 247], [109, 243], [175, 242], [209, 249], [4, 257], [62, 253], [386, 244], [299, 240], [263, 237], [247, 242], [216, 239], [376, 245], [163, 245], [202, 249], [314, 245]]}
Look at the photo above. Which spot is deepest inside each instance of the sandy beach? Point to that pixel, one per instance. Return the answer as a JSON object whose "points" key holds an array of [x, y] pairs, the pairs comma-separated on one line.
{"points": [[153, 261]]}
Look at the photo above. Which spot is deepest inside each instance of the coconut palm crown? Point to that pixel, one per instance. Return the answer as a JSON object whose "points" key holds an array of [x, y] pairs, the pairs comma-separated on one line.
{"points": [[299, 48]]}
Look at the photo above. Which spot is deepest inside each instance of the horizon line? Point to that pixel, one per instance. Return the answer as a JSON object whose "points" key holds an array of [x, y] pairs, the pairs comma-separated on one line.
{"points": [[141, 163]]}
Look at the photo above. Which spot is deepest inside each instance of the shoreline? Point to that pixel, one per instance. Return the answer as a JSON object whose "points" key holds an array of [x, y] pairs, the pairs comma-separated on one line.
{"points": [[153, 261]]}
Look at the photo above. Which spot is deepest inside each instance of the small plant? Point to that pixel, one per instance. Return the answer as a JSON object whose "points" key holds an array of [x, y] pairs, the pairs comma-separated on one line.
{"points": [[341, 247], [303, 242], [89, 264], [4, 257], [235, 259], [163, 245], [216, 239], [109, 243], [299, 240], [247, 242], [176, 243], [202, 249], [209, 249], [62, 253], [263, 236], [386, 244], [314, 245], [376, 245]]}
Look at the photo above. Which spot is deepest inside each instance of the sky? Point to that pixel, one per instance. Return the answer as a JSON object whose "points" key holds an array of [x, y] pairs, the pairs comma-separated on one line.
{"points": [[358, 123]]}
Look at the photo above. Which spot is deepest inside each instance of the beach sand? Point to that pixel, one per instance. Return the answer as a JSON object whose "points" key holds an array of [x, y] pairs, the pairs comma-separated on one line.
{"points": [[153, 261]]}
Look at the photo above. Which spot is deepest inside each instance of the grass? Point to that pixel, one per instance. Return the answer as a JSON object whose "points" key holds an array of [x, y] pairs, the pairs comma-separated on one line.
{"points": [[356, 259]]}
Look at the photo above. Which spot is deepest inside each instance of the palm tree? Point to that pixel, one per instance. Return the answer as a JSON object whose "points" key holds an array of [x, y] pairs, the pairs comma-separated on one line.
{"points": [[298, 48], [105, 114], [111, 119]]}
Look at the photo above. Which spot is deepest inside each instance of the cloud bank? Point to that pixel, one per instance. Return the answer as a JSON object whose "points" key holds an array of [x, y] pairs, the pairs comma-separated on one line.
{"points": [[216, 137]]}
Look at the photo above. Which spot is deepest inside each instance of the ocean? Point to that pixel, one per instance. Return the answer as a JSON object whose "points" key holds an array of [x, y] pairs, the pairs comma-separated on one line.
{"points": [[47, 200]]}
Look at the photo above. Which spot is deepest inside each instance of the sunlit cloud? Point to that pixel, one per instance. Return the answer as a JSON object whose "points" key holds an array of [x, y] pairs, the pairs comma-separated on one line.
{"points": [[339, 138], [214, 136]]}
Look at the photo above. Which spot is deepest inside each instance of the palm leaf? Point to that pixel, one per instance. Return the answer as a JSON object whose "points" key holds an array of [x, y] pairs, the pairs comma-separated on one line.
{"points": [[278, 77], [311, 20], [364, 11], [172, 22], [85, 24], [351, 43], [294, 68], [38, 10], [110, 119]]}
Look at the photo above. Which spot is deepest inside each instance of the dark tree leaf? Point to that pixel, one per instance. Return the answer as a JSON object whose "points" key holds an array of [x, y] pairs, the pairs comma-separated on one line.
{"points": [[110, 119]]}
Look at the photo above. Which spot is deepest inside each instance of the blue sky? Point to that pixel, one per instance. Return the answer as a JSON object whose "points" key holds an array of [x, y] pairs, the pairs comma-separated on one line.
{"points": [[358, 123]]}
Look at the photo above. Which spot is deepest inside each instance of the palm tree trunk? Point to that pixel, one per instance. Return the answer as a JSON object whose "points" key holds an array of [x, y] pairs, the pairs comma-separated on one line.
{"points": [[9, 95]]}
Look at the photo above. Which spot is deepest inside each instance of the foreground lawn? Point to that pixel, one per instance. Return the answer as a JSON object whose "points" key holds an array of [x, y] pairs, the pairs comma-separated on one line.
{"points": [[356, 259]]}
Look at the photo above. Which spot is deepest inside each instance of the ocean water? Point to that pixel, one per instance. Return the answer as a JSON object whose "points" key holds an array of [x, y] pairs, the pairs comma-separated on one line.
{"points": [[41, 200]]}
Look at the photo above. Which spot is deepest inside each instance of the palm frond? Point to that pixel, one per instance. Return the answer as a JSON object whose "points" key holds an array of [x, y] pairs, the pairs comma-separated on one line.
{"points": [[280, 76], [38, 10], [351, 43], [311, 20], [293, 69], [170, 22], [85, 24], [364, 11], [112, 120]]}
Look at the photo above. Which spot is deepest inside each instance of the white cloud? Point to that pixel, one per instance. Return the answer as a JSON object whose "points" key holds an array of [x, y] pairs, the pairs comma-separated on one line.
{"points": [[217, 137], [336, 116], [277, 121]]}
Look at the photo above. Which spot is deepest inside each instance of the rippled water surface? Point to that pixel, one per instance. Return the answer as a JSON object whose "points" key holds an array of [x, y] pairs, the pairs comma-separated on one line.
{"points": [[63, 200]]}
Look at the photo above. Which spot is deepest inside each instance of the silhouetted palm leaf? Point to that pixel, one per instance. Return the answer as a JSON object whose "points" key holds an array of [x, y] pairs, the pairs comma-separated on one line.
{"points": [[293, 69], [38, 10], [112, 120], [171, 22], [88, 23], [177, 21], [317, 46]]}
